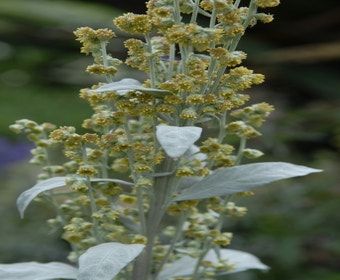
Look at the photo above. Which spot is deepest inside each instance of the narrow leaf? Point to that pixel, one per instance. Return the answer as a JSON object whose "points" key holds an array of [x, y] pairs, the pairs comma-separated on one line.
{"points": [[52, 183], [241, 178], [125, 85], [37, 271], [177, 140], [105, 261], [239, 261]]}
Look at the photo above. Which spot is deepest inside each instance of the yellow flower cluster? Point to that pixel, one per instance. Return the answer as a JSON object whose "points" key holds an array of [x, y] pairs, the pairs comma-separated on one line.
{"points": [[160, 13], [133, 23], [254, 114], [91, 38], [225, 58], [137, 57], [241, 78], [192, 35], [241, 129], [219, 154]]}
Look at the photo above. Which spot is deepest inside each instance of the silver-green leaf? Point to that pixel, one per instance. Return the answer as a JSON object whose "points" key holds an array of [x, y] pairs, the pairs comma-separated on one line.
{"points": [[37, 271], [106, 260], [240, 261], [123, 86], [176, 140], [52, 183], [242, 178]]}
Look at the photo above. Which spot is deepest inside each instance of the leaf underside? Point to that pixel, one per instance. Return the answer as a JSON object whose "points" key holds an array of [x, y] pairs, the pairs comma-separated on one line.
{"points": [[105, 261], [242, 178], [27, 196], [176, 140], [124, 86], [239, 260], [37, 271]]}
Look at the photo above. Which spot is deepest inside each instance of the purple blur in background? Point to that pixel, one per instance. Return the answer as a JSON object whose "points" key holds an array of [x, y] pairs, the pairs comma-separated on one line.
{"points": [[12, 151]]}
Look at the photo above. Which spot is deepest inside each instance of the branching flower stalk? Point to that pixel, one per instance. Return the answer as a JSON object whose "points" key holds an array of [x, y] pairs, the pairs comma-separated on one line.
{"points": [[144, 173]]}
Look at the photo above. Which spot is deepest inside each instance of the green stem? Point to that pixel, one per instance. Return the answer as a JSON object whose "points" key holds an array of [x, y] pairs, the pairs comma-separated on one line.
{"points": [[234, 43], [242, 146], [195, 12], [140, 203], [152, 69], [141, 210], [184, 55], [222, 124], [93, 209], [171, 61], [158, 205], [51, 194], [251, 13], [91, 195], [177, 12], [105, 61], [176, 237], [222, 120], [205, 250], [218, 79], [237, 3], [213, 61]]}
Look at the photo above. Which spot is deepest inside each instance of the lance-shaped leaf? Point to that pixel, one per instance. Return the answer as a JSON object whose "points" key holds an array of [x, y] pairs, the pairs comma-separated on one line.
{"points": [[52, 183], [37, 271], [176, 140], [125, 85], [105, 261], [241, 178], [239, 261]]}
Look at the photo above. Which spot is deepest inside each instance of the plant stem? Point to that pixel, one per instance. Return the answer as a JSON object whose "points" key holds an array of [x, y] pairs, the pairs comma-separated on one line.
{"points": [[205, 250], [105, 61], [158, 205], [152, 72], [176, 237], [251, 12], [171, 61], [242, 146], [130, 155], [195, 12]]}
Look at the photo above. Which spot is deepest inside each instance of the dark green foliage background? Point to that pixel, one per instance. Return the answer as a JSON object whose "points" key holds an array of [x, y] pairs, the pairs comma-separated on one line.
{"points": [[293, 226]]}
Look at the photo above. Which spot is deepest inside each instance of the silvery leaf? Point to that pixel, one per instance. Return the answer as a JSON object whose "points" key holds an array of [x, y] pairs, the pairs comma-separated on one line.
{"points": [[242, 178], [240, 261], [123, 86], [106, 260], [52, 183], [37, 271], [176, 140]]}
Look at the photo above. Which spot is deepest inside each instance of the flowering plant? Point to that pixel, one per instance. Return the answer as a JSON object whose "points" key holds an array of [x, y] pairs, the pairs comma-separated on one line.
{"points": [[144, 194]]}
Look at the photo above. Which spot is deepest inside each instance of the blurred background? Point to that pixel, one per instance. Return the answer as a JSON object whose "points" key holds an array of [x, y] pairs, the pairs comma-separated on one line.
{"points": [[293, 226]]}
